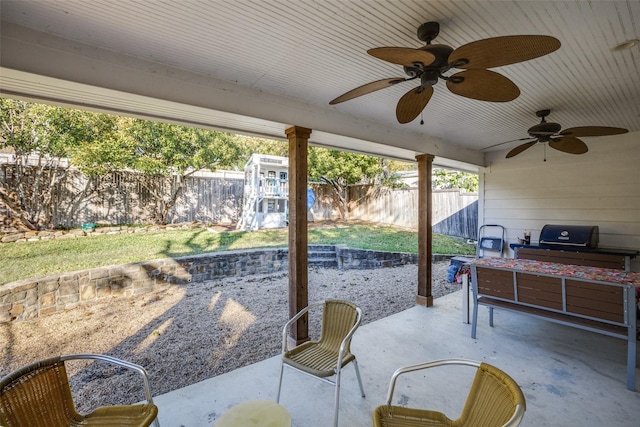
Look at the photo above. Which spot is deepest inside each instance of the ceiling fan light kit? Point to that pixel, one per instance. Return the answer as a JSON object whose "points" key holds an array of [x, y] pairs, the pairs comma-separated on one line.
{"points": [[432, 62]]}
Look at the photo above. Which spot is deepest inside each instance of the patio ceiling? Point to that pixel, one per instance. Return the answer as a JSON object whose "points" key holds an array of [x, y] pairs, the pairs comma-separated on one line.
{"points": [[258, 67]]}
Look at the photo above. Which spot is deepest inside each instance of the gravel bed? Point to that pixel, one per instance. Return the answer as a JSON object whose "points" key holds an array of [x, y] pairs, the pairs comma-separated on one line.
{"points": [[187, 334]]}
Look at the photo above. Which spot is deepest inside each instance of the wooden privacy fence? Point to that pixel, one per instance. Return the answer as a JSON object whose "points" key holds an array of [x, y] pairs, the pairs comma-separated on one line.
{"points": [[121, 198], [455, 213], [216, 198]]}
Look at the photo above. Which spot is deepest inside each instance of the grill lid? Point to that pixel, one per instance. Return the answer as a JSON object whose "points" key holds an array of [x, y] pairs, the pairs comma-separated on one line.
{"points": [[570, 235]]}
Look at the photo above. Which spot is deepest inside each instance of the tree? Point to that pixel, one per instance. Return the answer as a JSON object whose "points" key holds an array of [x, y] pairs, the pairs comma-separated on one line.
{"points": [[39, 137], [340, 169], [44, 140], [163, 155], [175, 153], [447, 179]]}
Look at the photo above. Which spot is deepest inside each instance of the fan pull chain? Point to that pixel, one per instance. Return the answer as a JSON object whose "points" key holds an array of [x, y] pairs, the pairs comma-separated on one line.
{"points": [[421, 118], [545, 151]]}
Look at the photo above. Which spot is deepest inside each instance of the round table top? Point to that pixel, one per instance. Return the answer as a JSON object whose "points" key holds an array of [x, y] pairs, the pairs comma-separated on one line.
{"points": [[259, 413]]}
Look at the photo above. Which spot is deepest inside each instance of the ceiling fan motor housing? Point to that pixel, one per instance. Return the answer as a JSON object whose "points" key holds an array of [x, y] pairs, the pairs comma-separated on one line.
{"points": [[441, 52], [544, 129]]}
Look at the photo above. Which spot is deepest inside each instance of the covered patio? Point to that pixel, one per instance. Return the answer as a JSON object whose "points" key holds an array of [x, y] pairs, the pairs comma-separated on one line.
{"points": [[569, 377], [98, 57]]}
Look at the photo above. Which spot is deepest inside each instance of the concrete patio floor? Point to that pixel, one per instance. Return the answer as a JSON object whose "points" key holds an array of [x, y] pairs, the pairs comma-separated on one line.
{"points": [[569, 377]]}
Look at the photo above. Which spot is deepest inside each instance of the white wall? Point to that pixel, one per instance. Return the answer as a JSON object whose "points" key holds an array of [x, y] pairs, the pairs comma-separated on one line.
{"points": [[601, 187]]}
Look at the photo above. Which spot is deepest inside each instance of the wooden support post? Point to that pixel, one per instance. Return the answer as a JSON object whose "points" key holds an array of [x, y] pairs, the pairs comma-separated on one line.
{"points": [[298, 250], [425, 237]]}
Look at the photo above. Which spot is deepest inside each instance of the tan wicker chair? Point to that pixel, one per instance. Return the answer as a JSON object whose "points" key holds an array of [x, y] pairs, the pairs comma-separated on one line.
{"points": [[38, 395], [494, 400], [327, 356]]}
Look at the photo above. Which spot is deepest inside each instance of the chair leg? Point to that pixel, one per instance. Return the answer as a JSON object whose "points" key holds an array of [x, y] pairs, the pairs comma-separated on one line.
{"points": [[280, 382], [337, 403], [337, 383], [355, 364], [474, 320]]}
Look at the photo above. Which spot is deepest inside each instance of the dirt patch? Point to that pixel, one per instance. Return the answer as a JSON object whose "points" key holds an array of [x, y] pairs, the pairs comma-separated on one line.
{"points": [[189, 333]]}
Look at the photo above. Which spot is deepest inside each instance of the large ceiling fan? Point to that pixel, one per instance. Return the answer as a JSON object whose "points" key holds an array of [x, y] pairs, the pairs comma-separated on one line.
{"points": [[430, 63], [566, 140]]}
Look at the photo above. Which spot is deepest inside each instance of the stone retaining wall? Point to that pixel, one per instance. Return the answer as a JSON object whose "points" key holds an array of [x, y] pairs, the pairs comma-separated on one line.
{"points": [[31, 298]]}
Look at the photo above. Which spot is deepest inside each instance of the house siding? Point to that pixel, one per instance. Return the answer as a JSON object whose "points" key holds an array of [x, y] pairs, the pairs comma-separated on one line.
{"points": [[601, 187]]}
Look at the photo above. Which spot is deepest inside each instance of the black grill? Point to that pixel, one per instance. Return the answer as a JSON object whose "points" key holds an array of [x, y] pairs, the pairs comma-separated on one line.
{"points": [[585, 236]]}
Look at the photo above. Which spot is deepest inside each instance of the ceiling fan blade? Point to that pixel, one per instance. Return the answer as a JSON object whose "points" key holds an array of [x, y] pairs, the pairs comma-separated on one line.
{"points": [[505, 142], [499, 51], [405, 56], [520, 148], [368, 88], [593, 131], [569, 144], [483, 85], [412, 103]]}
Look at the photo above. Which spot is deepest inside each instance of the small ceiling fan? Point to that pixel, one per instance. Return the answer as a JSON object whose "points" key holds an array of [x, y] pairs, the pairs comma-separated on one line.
{"points": [[566, 141], [430, 63]]}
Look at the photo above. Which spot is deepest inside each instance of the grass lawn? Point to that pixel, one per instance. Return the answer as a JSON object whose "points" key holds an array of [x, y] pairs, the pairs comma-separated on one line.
{"points": [[32, 259]]}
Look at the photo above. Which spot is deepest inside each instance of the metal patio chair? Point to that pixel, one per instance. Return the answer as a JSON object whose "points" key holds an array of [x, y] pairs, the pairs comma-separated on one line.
{"points": [[327, 356], [494, 400], [38, 395]]}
